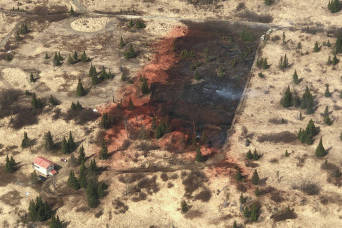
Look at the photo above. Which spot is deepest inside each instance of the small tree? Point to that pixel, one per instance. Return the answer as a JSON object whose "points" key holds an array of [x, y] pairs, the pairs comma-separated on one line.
{"points": [[268, 2], [329, 61], [71, 143], [286, 101], [284, 62], [83, 175], [36, 102], [84, 57], [295, 78], [326, 117], [320, 151], [130, 52], [11, 165], [334, 6], [104, 152], [53, 101], [80, 91], [255, 178], [82, 156], [93, 167], [199, 156], [122, 42], [184, 207], [92, 196], [26, 141], [49, 144], [139, 24], [335, 60], [32, 78], [72, 181], [308, 101], [56, 60], [338, 44], [130, 104], [75, 56], [92, 71], [65, 146], [46, 55], [144, 86], [56, 222], [70, 60], [327, 92], [317, 48]]}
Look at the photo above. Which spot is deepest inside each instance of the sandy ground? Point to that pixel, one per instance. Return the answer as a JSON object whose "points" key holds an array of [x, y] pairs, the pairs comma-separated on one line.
{"points": [[99, 37]]}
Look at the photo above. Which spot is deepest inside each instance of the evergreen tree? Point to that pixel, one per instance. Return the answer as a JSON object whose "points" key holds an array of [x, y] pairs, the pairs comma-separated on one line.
{"points": [[26, 141], [131, 23], [286, 101], [80, 91], [199, 156], [70, 60], [299, 45], [83, 175], [306, 136], [130, 52], [329, 61], [72, 12], [56, 222], [334, 6], [71, 143], [49, 144], [144, 86], [320, 151], [39, 210], [75, 56], [11, 165], [338, 44], [59, 56], [130, 104], [255, 178], [308, 101], [56, 60], [122, 43], [92, 196], [92, 71], [326, 117], [268, 2], [84, 57], [295, 78], [32, 78], [335, 60], [36, 102], [104, 152], [65, 146], [53, 101], [106, 122], [72, 181], [93, 167], [295, 99], [327, 92], [82, 156], [317, 48], [46, 55], [249, 155], [284, 62], [139, 24]]}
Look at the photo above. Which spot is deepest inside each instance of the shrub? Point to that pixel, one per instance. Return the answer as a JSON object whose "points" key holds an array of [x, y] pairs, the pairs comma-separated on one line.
{"points": [[184, 207], [139, 24]]}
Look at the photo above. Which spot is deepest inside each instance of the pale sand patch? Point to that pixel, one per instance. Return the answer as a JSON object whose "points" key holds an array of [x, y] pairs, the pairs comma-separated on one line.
{"points": [[89, 24], [16, 78]]}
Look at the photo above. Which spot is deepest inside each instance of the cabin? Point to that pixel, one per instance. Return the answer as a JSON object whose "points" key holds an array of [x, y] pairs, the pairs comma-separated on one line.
{"points": [[44, 166]]}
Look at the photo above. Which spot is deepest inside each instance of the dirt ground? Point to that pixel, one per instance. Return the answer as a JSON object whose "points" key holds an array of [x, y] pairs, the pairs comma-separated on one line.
{"points": [[147, 178]]}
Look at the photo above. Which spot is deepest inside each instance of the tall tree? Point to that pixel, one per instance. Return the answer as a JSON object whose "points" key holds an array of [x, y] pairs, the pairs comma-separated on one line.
{"points": [[56, 222], [286, 101], [49, 144], [91, 192], [65, 146], [83, 176], [82, 156], [104, 151], [295, 78], [26, 141], [71, 143], [72, 181]]}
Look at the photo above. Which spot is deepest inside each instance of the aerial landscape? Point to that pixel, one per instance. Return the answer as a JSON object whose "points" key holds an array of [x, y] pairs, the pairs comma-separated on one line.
{"points": [[171, 114]]}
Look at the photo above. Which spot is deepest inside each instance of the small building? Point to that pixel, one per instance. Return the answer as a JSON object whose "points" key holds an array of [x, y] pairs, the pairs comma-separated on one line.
{"points": [[44, 166]]}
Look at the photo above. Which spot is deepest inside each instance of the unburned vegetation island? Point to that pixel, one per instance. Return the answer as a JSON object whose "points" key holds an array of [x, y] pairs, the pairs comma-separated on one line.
{"points": [[184, 113]]}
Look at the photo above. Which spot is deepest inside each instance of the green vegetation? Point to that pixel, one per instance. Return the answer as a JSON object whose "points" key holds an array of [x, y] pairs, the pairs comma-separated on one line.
{"points": [[268, 2], [53, 101], [317, 48], [338, 44], [326, 117], [122, 43], [32, 78], [130, 52], [253, 156], [82, 156], [334, 6], [320, 151], [287, 100], [56, 222], [284, 62], [252, 212], [255, 178], [39, 210], [295, 78], [199, 156], [184, 207], [161, 129], [80, 91], [262, 63], [26, 142], [104, 151], [247, 36], [72, 181], [306, 136], [327, 92], [103, 75], [84, 57], [11, 165], [261, 75], [36, 103], [76, 107], [308, 101], [49, 144], [24, 29], [57, 59], [144, 86]]}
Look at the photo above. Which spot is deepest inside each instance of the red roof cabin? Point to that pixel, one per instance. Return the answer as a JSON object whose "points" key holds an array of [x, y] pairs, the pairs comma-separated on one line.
{"points": [[44, 166]]}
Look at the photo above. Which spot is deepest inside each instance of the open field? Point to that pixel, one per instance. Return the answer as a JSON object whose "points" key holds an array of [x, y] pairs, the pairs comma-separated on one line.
{"points": [[185, 97]]}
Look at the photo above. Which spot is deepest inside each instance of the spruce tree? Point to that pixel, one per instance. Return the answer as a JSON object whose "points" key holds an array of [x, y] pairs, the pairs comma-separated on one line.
{"points": [[255, 178], [10, 166], [46, 55], [308, 101], [80, 91], [71, 143], [92, 71], [286, 100], [295, 99], [36, 102], [334, 6], [83, 175], [56, 222], [284, 62], [335, 60], [93, 167], [130, 104], [84, 57], [139, 24], [338, 44], [144, 86], [49, 144], [70, 60], [268, 2], [75, 56], [39, 210], [72, 181], [56, 60], [329, 61], [122, 42], [32, 78], [326, 117], [82, 156], [104, 151], [65, 146], [130, 52], [26, 141], [91, 192], [295, 78], [249, 155], [306, 136], [317, 48], [327, 92], [53, 101], [320, 151]]}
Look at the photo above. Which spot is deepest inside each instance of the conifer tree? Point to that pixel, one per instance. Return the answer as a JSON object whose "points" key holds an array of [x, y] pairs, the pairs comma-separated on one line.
{"points": [[10, 166], [268, 2], [317, 48], [59, 56], [122, 42], [335, 60], [306, 136], [320, 151], [104, 152], [70, 60], [83, 175], [49, 144], [295, 78], [82, 156], [46, 55], [139, 24], [131, 23], [56, 222], [71, 143], [308, 101], [75, 56], [130, 104], [286, 100], [92, 196], [26, 141], [249, 155], [39, 210], [327, 92], [56, 60], [36, 102], [329, 61], [326, 117], [199, 156], [72, 181], [130, 52], [53, 101], [32, 78], [334, 6], [93, 167], [338, 44], [84, 57], [144, 86], [80, 91], [65, 146], [255, 178], [295, 99], [92, 71], [72, 12]]}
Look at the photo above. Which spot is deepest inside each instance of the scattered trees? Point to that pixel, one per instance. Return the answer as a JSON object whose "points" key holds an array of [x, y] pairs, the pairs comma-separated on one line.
{"points": [[84, 57], [284, 62], [39, 210], [334, 6], [72, 181], [306, 136], [262, 63], [11, 165], [253, 156], [320, 150]]}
